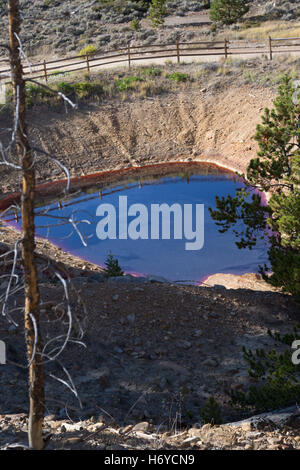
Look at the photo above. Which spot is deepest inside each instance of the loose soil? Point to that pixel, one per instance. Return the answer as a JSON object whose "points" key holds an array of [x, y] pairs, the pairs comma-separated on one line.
{"points": [[212, 125]]}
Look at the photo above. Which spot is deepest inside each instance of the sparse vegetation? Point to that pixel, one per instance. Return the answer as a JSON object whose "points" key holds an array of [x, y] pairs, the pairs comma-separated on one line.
{"points": [[152, 81], [36, 94]]}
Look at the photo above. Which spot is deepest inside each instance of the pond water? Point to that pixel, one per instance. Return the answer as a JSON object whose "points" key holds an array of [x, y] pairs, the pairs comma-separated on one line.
{"points": [[168, 258]]}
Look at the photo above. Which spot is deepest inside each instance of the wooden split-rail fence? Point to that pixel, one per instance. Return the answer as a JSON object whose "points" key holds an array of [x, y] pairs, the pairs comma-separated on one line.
{"points": [[132, 54]]}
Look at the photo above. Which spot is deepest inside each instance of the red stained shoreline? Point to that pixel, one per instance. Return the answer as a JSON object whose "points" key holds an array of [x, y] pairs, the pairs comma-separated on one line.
{"points": [[54, 188]]}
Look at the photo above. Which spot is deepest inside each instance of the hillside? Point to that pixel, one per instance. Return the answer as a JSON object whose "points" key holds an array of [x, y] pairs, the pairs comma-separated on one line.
{"points": [[65, 26]]}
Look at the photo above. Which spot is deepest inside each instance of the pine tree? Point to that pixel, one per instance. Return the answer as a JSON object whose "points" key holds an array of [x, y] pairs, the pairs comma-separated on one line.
{"points": [[157, 12], [275, 170], [228, 11], [112, 267]]}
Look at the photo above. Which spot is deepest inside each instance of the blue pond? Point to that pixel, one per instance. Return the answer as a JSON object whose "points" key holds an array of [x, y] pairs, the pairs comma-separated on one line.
{"points": [[168, 258]]}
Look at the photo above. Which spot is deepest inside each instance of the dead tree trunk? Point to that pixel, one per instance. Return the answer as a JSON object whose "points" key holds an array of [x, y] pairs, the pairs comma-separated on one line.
{"points": [[32, 330]]}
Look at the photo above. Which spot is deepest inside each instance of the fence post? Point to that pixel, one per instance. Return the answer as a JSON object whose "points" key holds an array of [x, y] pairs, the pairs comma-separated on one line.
{"points": [[226, 47], [87, 63], [178, 51], [129, 56], [270, 48], [45, 70]]}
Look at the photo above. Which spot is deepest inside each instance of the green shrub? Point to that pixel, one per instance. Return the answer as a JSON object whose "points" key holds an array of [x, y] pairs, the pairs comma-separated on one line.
{"points": [[152, 71], [81, 89], [112, 268], [88, 50], [178, 76], [127, 83], [65, 87], [36, 93], [135, 25], [228, 11], [86, 89]]}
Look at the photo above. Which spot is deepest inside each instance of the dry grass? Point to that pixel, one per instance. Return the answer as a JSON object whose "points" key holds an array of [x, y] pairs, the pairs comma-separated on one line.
{"points": [[278, 29]]}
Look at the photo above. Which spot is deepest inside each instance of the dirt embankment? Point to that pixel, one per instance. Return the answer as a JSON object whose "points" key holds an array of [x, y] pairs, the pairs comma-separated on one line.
{"points": [[208, 125]]}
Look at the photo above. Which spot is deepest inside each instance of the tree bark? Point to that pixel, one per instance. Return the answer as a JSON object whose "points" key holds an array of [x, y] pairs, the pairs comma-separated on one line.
{"points": [[33, 344]]}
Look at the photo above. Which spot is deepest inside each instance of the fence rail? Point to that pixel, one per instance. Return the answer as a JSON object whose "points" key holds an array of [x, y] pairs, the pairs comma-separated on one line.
{"points": [[128, 55]]}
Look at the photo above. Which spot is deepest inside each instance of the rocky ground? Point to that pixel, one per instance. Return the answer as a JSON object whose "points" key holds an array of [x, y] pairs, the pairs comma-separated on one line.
{"points": [[268, 432], [155, 352]]}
